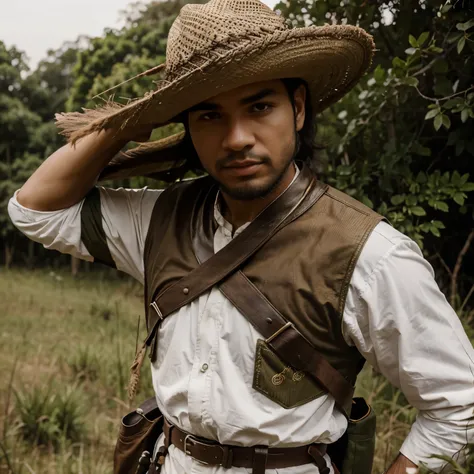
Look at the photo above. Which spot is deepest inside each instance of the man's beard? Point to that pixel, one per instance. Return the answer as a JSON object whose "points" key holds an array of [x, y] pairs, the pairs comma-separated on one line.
{"points": [[249, 192]]}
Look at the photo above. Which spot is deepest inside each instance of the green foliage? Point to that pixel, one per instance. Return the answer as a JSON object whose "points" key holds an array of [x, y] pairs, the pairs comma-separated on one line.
{"points": [[121, 54], [49, 418], [401, 141], [27, 134]]}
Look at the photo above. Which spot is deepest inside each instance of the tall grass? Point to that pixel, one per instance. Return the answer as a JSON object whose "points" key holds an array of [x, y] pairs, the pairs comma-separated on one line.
{"points": [[65, 350], [47, 416]]}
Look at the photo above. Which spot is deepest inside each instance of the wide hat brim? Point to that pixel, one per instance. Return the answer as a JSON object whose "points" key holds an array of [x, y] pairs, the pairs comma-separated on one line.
{"points": [[331, 59]]}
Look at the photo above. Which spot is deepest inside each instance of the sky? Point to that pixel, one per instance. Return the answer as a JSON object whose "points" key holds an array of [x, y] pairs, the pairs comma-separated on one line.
{"points": [[34, 26]]}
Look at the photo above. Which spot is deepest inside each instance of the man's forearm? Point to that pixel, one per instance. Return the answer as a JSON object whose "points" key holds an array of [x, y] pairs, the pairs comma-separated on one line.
{"points": [[400, 465], [69, 173]]}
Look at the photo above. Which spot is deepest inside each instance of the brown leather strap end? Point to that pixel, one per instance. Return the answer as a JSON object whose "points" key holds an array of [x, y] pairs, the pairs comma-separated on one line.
{"points": [[260, 460], [167, 429], [319, 460]]}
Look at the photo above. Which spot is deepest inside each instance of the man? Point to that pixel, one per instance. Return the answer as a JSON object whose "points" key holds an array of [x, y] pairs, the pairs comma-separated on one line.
{"points": [[250, 129]]}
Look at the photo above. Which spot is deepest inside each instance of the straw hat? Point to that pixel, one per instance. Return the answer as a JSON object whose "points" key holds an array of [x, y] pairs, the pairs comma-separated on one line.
{"points": [[218, 46]]}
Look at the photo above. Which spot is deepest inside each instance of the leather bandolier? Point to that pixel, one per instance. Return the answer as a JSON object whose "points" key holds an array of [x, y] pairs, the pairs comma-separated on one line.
{"points": [[304, 270]]}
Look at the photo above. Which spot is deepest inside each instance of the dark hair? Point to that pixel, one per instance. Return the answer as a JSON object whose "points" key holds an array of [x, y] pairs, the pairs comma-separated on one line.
{"points": [[306, 147]]}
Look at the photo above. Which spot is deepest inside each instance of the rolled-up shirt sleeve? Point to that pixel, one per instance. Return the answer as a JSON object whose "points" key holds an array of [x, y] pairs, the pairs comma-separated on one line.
{"points": [[402, 324], [123, 216]]}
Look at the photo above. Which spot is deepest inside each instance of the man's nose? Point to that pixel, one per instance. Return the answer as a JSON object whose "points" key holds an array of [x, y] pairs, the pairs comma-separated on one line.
{"points": [[238, 136]]}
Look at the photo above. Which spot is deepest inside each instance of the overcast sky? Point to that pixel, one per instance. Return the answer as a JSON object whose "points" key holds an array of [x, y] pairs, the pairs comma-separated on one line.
{"points": [[35, 26]]}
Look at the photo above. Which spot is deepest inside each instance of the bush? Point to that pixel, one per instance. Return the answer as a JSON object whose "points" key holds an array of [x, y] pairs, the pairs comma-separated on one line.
{"points": [[46, 418], [401, 140]]}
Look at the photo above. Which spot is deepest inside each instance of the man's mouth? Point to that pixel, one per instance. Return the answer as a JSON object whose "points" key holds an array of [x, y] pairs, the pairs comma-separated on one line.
{"points": [[243, 163], [242, 167]]}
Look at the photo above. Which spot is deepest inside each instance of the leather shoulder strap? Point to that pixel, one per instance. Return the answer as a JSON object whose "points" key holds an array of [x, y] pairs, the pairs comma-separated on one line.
{"points": [[282, 336], [232, 256], [285, 339], [92, 231]]}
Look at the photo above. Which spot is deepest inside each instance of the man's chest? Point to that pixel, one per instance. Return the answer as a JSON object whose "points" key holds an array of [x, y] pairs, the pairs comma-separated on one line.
{"points": [[209, 334]]}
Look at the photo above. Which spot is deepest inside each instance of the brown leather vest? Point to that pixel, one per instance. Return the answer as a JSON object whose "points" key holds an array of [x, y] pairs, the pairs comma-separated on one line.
{"points": [[304, 269]]}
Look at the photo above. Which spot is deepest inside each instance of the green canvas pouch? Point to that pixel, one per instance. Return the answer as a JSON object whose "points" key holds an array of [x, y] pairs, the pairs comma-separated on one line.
{"points": [[354, 452]]}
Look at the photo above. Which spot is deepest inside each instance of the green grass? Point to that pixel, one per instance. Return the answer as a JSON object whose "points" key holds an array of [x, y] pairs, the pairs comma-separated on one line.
{"points": [[65, 350]]}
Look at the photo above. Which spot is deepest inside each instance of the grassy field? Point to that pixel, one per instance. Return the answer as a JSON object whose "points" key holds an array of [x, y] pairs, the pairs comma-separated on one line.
{"points": [[65, 348]]}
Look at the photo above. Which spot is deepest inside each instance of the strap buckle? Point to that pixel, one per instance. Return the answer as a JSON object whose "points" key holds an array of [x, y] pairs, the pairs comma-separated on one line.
{"points": [[191, 441], [157, 309], [279, 331]]}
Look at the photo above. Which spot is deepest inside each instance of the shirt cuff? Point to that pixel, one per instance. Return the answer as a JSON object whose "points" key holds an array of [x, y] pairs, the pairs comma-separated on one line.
{"points": [[58, 230], [428, 438]]}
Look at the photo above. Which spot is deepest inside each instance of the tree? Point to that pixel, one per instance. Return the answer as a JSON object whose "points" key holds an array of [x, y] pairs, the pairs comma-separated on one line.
{"points": [[67, 79], [27, 132], [17, 124], [401, 141], [121, 54]]}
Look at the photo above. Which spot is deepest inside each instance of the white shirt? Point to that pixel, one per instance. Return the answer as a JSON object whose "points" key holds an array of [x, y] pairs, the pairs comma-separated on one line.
{"points": [[395, 315]]}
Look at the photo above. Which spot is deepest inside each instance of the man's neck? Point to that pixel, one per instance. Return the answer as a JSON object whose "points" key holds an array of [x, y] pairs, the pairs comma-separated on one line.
{"points": [[238, 212]]}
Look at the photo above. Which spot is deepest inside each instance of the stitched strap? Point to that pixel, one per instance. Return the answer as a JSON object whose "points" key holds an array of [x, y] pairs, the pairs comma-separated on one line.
{"points": [[92, 230], [287, 342]]}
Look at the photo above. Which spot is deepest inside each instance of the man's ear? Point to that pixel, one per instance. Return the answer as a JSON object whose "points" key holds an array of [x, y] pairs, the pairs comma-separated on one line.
{"points": [[299, 100]]}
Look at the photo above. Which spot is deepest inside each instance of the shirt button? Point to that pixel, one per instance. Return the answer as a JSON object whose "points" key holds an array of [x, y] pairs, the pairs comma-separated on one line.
{"points": [[185, 291], [204, 367]]}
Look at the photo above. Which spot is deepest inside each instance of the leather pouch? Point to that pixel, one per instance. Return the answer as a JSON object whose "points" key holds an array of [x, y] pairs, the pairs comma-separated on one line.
{"points": [[139, 431], [354, 452], [280, 382]]}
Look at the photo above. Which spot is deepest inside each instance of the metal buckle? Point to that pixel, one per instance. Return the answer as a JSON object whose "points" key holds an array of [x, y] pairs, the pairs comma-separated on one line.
{"points": [[226, 452], [277, 333], [155, 307], [194, 441]]}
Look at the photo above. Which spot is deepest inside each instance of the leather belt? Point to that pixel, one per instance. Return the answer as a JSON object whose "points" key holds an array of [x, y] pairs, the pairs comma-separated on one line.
{"points": [[258, 458]]}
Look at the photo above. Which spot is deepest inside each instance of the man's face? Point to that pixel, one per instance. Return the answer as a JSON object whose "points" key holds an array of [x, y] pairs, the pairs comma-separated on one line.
{"points": [[246, 138]]}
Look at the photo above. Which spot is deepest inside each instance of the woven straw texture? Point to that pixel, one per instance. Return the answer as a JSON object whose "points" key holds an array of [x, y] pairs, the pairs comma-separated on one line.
{"points": [[200, 28], [224, 44]]}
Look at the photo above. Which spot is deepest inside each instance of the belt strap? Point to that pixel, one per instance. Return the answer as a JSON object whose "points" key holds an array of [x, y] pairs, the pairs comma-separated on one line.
{"points": [[260, 459], [257, 458]]}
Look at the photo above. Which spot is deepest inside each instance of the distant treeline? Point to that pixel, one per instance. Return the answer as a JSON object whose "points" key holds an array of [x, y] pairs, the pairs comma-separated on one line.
{"points": [[401, 141]]}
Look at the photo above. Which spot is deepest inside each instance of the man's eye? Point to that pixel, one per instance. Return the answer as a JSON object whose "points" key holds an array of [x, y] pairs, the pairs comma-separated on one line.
{"points": [[261, 107], [209, 116]]}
